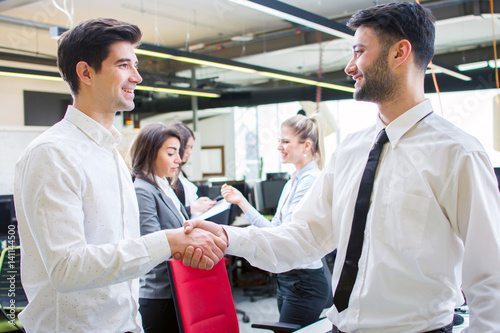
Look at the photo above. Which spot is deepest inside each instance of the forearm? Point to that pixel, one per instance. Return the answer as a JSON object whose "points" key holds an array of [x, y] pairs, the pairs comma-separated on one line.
{"points": [[275, 249], [92, 266], [257, 219]]}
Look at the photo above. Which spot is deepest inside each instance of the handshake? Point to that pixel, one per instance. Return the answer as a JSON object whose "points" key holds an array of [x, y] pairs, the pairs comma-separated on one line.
{"points": [[201, 244]]}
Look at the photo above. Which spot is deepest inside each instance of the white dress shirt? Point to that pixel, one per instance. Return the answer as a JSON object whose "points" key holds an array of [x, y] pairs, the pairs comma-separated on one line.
{"points": [[294, 189], [190, 190], [79, 230], [433, 226]]}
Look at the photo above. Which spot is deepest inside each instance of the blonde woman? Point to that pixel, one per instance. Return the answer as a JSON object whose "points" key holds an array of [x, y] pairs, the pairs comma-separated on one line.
{"points": [[302, 293]]}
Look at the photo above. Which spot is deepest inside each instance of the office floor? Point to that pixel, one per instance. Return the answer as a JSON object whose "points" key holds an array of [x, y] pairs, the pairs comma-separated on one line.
{"points": [[264, 309]]}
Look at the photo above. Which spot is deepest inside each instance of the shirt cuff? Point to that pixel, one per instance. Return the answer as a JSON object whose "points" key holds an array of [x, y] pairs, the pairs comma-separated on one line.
{"points": [[234, 240], [252, 215], [158, 246]]}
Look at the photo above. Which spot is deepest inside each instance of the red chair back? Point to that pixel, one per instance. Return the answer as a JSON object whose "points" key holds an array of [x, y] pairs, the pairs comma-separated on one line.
{"points": [[203, 299]]}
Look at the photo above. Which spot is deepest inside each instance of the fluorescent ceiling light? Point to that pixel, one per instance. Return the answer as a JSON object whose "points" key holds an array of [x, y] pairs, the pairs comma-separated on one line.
{"points": [[205, 60], [54, 76], [491, 63], [29, 74], [472, 65], [180, 91], [449, 70], [299, 16]]}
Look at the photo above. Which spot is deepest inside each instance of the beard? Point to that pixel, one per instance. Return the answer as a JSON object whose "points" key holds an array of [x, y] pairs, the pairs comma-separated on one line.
{"points": [[379, 82]]}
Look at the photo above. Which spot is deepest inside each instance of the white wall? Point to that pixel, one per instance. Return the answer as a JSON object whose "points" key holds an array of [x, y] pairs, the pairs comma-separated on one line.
{"points": [[219, 131], [12, 96]]}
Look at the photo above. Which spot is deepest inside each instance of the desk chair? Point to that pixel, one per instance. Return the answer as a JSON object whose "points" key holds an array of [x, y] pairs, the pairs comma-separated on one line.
{"points": [[12, 297], [203, 299]]}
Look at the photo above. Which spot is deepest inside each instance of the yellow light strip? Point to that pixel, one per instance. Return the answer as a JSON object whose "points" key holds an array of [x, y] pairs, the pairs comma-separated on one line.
{"points": [[31, 76], [153, 54], [246, 70], [307, 81], [214, 64], [178, 91]]}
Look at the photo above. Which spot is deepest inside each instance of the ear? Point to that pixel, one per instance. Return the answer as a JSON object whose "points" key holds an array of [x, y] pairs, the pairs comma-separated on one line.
{"points": [[400, 52], [307, 144], [85, 72]]}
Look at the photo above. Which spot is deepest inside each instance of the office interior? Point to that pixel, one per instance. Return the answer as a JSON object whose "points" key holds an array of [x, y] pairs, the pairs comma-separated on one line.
{"points": [[237, 126]]}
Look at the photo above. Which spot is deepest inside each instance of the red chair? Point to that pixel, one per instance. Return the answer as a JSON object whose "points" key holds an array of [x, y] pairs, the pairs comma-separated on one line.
{"points": [[203, 299]]}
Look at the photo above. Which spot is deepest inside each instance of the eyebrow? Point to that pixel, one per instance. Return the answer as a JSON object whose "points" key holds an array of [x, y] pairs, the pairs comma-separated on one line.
{"points": [[357, 45], [126, 60]]}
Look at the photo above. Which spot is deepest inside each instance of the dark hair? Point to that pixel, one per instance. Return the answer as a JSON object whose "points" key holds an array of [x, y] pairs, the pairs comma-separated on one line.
{"points": [[186, 133], [145, 149], [400, 20], [308, 128], [90, 41]]}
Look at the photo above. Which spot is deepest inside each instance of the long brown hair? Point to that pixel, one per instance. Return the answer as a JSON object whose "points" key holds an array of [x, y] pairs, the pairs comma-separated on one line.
{"points": [[145, 149]]}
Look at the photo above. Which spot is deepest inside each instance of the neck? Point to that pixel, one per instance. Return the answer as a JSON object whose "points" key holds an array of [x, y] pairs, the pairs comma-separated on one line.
{"points": [[405, 98], [104, 118], [300, 165]]}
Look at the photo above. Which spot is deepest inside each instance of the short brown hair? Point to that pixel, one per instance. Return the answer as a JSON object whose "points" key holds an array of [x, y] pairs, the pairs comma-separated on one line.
{"points": [[90, 41], [400, 20]]}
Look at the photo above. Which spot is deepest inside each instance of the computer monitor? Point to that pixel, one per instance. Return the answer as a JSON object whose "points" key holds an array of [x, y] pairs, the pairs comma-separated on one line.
{"points": [[7, 213], [271, 192]]}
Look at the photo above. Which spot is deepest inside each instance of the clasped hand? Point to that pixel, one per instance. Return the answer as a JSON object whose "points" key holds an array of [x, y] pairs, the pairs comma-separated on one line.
{"points": [[203, 245]]}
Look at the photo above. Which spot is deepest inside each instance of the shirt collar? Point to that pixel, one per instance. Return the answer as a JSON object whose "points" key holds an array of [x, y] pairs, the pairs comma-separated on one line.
{"points": [[163, 183], [106, 138], [309, 166], [402, 124]]}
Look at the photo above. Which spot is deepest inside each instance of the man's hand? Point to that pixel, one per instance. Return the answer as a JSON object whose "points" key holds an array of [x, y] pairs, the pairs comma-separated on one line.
{"points": [[202, 248], [193, 256]]}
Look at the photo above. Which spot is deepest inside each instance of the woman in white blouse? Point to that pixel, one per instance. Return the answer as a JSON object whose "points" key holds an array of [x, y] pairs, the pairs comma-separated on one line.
{"points": [[187, 191], [303, 292]]}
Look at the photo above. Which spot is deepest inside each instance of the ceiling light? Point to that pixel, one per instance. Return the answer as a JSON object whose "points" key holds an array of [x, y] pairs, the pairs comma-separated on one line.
{"points": [[180, 91], [449, 70], [472, 65], [242, 38], [29, 74], [205, 60], [299, 16], [491, 63], [54, 76]]}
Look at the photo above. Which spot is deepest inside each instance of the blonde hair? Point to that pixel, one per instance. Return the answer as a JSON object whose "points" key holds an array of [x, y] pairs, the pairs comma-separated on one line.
{"points": [[309, 128]]}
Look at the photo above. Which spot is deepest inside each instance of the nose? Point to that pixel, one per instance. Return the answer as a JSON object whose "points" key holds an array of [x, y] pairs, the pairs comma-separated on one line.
{"points": [[178, 159], [350, 68], [136, 77]]}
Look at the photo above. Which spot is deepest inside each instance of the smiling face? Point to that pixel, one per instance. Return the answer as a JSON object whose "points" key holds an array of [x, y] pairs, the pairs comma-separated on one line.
{"points": [[168, 159], [113, 86], [292, 150], [369, 67]]}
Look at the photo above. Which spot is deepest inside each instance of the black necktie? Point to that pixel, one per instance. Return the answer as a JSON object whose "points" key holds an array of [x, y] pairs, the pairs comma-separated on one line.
{"points": [[350, 268]]}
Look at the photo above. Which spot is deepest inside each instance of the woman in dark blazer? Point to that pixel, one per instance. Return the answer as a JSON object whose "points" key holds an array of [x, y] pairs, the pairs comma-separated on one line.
{"points": [[155, 156]]}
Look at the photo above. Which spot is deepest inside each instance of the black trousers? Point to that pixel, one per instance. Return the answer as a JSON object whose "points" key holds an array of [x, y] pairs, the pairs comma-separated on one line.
{"points": [[158, 315]]}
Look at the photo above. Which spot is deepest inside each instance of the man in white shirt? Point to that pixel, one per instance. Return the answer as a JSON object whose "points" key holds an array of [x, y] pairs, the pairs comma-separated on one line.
{"points": [[433, 224], [76, 206]]}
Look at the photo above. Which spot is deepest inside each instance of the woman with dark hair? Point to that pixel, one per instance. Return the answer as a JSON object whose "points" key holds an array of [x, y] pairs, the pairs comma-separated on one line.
{"points": [[187, 191], [155, 158]]}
